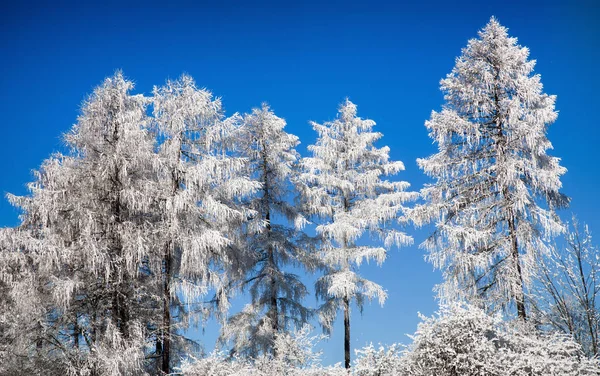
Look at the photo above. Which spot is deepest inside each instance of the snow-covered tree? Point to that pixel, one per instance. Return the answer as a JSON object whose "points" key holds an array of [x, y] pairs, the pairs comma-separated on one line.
{"points": [[343, 184], [89, 221], [568, 289], [200, 183], [495, 187], [276, 294]]}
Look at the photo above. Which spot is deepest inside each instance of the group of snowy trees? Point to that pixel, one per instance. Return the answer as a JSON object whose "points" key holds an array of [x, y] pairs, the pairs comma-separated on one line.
{"points": [[163, 208]]}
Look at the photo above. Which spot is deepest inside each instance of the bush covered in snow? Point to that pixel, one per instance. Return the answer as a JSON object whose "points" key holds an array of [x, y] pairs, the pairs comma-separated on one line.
{"points": [[466, 341]]}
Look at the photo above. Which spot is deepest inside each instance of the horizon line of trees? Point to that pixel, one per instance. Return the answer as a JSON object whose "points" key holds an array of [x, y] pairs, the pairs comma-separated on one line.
{"points": [[163, 207]]}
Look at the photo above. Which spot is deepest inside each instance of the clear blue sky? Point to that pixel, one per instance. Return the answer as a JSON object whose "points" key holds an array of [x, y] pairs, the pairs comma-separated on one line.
{"points": [[304, 59]]}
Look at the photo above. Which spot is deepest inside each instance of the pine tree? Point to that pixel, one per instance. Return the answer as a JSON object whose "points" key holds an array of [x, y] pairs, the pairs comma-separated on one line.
{"points": [[200, 184], [492, 174], [342, 184], [276, 294]]}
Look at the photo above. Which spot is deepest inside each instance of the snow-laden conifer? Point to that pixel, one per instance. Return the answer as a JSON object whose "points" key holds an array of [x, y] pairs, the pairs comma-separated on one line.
{"points": [[276, 293], [344, 184], [200, 185], [495, 187], [89, 220]]}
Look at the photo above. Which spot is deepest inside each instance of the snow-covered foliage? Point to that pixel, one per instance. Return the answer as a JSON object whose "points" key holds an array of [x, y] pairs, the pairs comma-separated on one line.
{"points": [[467, 341], [115, 231], [459, 340], [200, 184], [568, 289], [22, 306], [86, 233], [276, 294], [294, 356], [381, 361], [492, 174], [344, 184]]}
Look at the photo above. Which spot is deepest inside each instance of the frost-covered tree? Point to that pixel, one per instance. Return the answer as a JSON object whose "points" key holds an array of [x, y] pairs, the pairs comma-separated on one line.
{"points": [[138, 213], [568, 289], [343, 183], [89, 221], [200, 182], [495, 187], [276, 294]]}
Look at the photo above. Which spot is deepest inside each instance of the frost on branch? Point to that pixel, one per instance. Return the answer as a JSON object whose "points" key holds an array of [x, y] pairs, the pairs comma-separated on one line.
{"points": [[568, 288]]}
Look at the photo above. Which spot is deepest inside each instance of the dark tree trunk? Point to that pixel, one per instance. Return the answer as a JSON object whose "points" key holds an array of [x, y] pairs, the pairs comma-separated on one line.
{"points": [[520, 293], [273, 309], [75, 332], [347, 333], [166, 332]]}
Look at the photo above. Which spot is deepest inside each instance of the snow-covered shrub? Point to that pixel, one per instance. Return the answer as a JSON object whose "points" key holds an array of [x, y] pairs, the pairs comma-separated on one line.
{"points": [[379, 361], [459, 341], [216, 364], [295, 357], [464, 340], [296, 348]]}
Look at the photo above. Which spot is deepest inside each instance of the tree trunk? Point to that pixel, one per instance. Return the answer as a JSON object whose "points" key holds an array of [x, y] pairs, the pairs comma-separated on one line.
{"points": [[75, 332], [120, 306], [120, 276], [166, 331], [520, 294], [273, 309], [347, 333]]}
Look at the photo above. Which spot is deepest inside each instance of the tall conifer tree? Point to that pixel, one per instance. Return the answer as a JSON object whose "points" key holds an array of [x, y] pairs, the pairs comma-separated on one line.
{"points": [[276, 293], [343, 184], [201, 184], [495, 187]]}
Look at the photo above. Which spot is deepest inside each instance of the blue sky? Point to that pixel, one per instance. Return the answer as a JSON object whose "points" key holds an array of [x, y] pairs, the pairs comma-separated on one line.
{"points": [[302, 58]]}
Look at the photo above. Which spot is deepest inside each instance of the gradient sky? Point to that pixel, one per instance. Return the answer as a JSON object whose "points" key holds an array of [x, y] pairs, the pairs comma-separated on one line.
{"points": [[303, 59]]}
